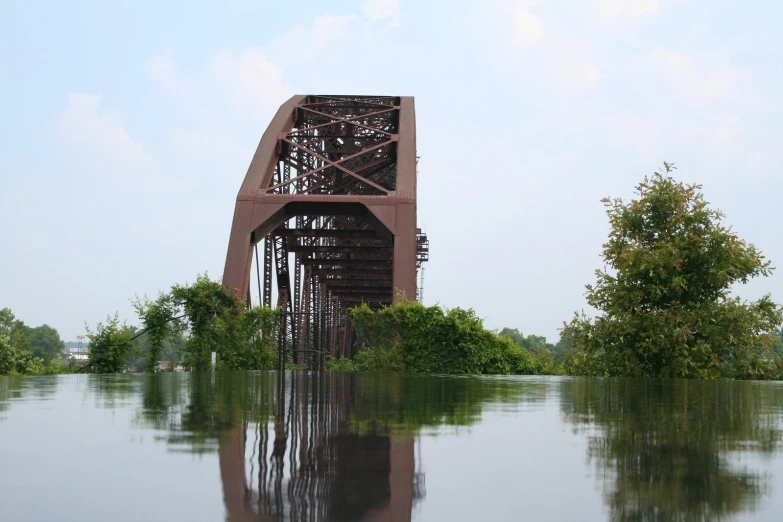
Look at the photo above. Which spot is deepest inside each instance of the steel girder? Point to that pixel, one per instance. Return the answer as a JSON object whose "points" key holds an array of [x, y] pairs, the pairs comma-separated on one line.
{"points": [[342, 170]]}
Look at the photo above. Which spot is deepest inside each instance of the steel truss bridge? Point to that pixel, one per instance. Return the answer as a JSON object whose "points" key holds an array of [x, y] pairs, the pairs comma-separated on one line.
{"points": [[328, 210]]}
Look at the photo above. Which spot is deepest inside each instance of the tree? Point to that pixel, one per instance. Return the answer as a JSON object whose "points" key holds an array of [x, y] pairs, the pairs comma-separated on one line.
{"points": [[562, 348], [531, 343], [110, 346], [216, 319], [777, 347], [173, 347], [45, 343], [15, 353], [665, 300], [157, 317]]}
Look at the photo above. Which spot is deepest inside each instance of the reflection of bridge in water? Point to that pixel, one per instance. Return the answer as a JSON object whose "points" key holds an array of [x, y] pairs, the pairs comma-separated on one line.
{"points": [[331, 197], [312, 463]]}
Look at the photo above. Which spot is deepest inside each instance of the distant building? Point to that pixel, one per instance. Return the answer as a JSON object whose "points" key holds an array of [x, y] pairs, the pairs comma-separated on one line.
{"points": [[167, 366], [77, 355]]}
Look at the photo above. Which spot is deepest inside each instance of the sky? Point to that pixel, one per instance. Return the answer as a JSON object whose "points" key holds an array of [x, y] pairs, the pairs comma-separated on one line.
{"points": [[128, 126]]}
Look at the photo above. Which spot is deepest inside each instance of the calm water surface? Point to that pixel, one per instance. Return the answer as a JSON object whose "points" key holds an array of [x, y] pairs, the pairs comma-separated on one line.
{"points": [[260, 446]]}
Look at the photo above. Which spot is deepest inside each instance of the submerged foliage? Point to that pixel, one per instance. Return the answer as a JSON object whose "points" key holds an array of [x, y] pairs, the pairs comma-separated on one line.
{"points": [[668, 448], [32, 351], [216, 320], [414, 338], [110, 346], [15, 354], [665, 301], [545, 352], [45, 343]]}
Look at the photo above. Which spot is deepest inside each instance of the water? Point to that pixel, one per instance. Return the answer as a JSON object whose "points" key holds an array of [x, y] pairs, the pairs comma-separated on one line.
{"points": [[244, 446]]}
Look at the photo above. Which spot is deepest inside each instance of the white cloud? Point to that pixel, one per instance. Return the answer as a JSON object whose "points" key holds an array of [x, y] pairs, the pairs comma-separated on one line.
{"points": [[201, 144], [250, 79], [82, 123], [528, 29], [383, 10], [625, 11], [696, 77], [327, 26], [577, 71], [558, 58], [162, 70]]}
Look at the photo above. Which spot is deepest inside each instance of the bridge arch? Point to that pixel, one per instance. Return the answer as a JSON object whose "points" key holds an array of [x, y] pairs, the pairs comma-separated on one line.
{"points": [[330, 195]]}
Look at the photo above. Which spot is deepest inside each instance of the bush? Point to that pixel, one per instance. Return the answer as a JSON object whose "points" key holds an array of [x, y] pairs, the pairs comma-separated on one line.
{"points": [[110, 346], [413, 338], [216, 320]]}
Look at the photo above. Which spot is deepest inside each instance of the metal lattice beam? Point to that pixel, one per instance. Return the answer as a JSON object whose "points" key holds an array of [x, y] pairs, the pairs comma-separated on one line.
{"points": [[333, 184]]}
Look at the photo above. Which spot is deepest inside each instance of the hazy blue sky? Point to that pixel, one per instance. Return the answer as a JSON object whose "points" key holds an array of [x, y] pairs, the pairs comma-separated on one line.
{"points": [[127, 128]]}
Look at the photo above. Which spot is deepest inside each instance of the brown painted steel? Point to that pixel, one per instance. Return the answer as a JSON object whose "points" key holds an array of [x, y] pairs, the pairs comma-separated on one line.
{"points": [[350, 234], [344, 169]]}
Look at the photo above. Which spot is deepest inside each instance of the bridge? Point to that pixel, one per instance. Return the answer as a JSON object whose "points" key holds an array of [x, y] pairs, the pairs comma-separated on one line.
{"points": [[329, 199], [308, 464]]}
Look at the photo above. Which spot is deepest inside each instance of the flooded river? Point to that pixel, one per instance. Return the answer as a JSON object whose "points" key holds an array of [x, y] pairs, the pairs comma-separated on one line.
{"points": [[268, 446]]}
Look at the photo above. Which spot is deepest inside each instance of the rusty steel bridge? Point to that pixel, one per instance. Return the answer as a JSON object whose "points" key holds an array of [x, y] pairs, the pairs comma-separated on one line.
{"points": [[329, 200]]}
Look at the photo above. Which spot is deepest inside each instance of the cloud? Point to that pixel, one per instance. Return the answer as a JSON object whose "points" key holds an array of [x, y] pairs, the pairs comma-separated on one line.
{"points": [[327, 26], [82, 123], [240, 88], [692, 76], [383, 10], [559, 59], [528, 29], [578, 72], [162, 70], [200, 144], [250, 79], [306, 42], [625, 11]]}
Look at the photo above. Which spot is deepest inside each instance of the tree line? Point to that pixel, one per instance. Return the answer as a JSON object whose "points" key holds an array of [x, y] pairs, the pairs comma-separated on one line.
{"points": [[663, 301], [663, 298], [25, 349]]}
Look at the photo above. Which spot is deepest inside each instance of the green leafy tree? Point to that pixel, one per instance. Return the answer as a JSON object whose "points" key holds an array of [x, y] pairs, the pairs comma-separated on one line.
{"points": [[665, 297], [562, 348], [215, 319], [173, 348], [46, 343], [110, 346], [15, 355], [208, 307], [777, 347], [7, 356], [531, 343], [157, 318]]}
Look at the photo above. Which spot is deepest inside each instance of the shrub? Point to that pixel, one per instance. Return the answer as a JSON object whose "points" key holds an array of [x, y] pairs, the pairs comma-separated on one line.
{"points": [[413, 338], [110, 346]]}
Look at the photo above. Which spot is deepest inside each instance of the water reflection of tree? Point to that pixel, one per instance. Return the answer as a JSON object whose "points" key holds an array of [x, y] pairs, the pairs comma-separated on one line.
{"points": [[16, 387], [663, 448], [10, 389], [194, 409], [322, 446]]}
